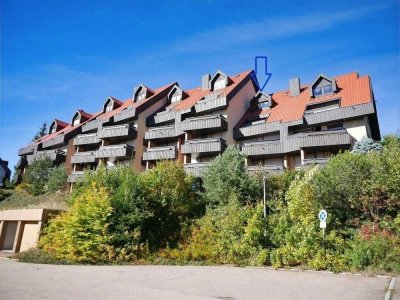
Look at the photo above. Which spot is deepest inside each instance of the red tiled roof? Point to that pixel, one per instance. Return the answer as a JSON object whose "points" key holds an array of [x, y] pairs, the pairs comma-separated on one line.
{"points": [[116, 100], [61, 123], [130, 103], [196, 94], [84, 114], [351, 89]]}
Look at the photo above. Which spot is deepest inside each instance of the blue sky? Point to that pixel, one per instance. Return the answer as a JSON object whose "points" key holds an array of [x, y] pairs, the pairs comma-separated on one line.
{"points": [[59, 56]]}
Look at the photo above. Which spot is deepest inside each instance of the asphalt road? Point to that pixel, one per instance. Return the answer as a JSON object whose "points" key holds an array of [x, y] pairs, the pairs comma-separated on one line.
{"points": [[32, 281]]}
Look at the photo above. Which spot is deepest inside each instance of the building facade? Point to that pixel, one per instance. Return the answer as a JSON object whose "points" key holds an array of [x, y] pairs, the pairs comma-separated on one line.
{"points": [[291, 129]]}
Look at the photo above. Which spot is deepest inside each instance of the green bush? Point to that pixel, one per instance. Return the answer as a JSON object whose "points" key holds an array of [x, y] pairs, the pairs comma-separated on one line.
{"points": [[375, 248], [227, 234], [81, 234], [226, 176], [38, 256], [57, 179], [37, 175]]}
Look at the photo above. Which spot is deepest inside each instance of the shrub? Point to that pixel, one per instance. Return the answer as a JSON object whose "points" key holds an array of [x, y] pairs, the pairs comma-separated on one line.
{"points": [[226, 176], [375, 248], [366, 145], [39, 256], [228, 234], [81, 234], [57, 179]]}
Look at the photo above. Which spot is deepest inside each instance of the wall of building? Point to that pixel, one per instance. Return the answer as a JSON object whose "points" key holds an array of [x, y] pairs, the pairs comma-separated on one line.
{"points": [[20, 229], [141, 129], [238, 106], [357, 128]]}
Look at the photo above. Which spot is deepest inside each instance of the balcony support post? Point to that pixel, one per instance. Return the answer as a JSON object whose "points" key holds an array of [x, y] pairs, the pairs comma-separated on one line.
{"points": [[302, 154], [285, 161]]}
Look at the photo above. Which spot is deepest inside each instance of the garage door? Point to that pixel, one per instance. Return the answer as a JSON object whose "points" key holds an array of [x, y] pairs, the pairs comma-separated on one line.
{"points": [[29, 236], [9, 234]]}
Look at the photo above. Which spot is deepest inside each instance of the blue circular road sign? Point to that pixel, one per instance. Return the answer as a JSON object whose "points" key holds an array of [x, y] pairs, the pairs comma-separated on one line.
{"points": [[322, 215]]}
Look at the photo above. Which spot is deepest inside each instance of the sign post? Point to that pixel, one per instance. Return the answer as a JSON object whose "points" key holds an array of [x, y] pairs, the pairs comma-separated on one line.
{"points": [[323, 215]]}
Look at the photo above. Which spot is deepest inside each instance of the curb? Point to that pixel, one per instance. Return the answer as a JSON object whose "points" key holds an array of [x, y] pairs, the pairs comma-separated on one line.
{"points": [[390, 290]]}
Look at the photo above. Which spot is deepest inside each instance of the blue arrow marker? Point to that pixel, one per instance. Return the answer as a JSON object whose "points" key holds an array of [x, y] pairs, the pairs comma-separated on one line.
{"points": [[261, 70]]}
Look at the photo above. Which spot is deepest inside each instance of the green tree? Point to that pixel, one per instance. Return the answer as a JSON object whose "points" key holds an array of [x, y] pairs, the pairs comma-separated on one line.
{"points": [[38, 175], [57, 178], [171, 197], [226, 176], [366, 145], [42, 132]]}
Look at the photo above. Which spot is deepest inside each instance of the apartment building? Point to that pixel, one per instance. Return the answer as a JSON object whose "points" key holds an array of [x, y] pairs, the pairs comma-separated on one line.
{"points": [[291, 129]]}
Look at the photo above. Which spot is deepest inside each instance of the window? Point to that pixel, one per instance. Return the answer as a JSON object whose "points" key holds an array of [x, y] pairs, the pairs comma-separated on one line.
{"points": [[141, 96], [323, 106], [318, 91], [219, 83], [176, 97], [263, 105], [53, 128], [109, 106], [76, 120], [336, 126]]}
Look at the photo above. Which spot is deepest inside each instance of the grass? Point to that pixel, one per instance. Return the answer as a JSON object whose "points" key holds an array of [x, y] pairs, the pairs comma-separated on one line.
{"points": [[13, 199]]}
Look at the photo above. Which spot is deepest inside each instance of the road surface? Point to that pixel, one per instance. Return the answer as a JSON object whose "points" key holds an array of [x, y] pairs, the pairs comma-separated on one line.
{"points": [[33, 281]]}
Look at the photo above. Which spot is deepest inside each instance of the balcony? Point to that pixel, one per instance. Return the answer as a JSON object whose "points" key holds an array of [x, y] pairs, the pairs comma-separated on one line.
{"points": [[262, 148], [325, 138], [204, 145], [84, 157], [86, 139], [196, 169], [91, 126], [75, 175], [55, 141], [160, 133], [122, 151], [125, 115], [161, 118], [160, 153], [56, 156], [315, 161], [27, 149], [211, 103], [117, 132], [271, 169], [212, 123], [256, 129]]}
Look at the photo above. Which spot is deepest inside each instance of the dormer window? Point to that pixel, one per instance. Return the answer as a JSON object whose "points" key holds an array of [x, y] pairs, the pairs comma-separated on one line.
{"points": [[76, 120], [142, 92], [323, 85], [53, 128], [57, 125], [109, 106], [140, 96], [319, 91], [176, 96], [219, 83], [261, 101], [263, 105]]}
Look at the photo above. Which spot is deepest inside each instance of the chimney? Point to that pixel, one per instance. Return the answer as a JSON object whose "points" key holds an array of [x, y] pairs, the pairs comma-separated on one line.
{"points": [[294, 86], [205, 82]]}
